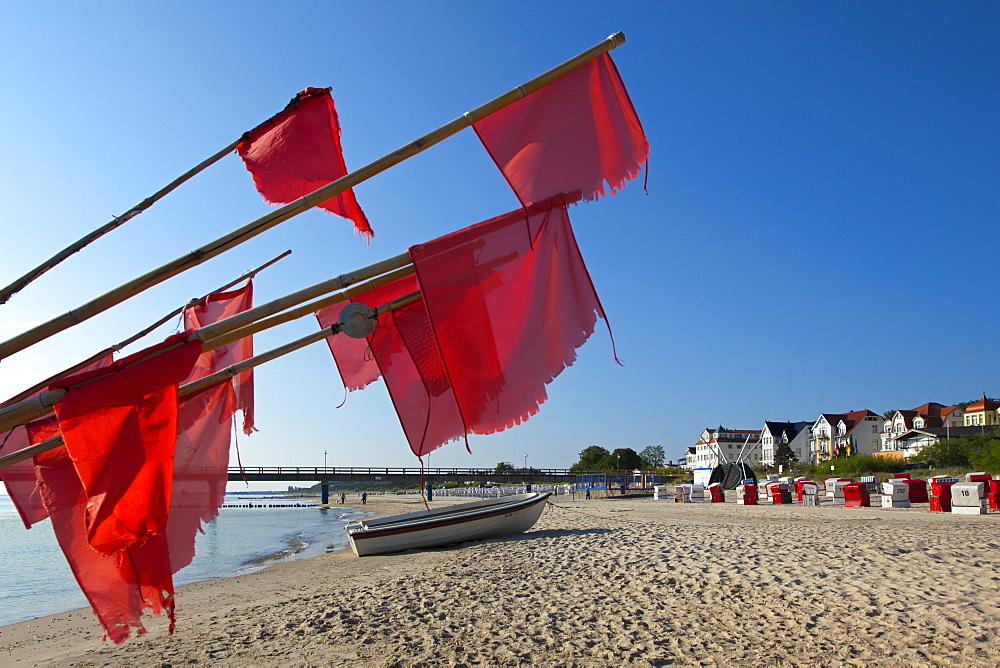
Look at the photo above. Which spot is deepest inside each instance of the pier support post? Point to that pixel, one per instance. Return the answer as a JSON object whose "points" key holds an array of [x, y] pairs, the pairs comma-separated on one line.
{"points": [[324, 491]]}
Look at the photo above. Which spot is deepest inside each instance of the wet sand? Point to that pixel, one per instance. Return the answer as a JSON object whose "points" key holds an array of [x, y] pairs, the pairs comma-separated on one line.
{"points": [[602, 583]]}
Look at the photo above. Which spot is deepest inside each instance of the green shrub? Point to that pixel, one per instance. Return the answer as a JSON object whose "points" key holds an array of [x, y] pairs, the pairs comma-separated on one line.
{"points": [[985, 453], [953, 451]]}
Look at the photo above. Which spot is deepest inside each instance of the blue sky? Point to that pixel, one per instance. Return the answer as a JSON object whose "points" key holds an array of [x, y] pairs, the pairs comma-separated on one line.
{"points": [[818, 235]]}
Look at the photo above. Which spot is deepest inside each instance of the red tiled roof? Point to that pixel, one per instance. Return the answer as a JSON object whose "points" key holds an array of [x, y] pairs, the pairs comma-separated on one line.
{"points": [[983, 404], [930, 408], [854, 418]]}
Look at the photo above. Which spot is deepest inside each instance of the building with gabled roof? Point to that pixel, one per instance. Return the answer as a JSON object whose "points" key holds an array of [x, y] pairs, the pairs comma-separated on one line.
{"points": [[928, 415], [795, 434], [850, 433]]}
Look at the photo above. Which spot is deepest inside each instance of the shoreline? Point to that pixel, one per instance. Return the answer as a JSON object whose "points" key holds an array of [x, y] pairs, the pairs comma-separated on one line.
{"points": [[597, 582], [81, 623]]}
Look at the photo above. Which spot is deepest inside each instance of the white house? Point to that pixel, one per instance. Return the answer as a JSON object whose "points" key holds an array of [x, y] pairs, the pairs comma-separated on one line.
{"points": [[851, 433], [927, 416], [796, 434], [721, 446]]}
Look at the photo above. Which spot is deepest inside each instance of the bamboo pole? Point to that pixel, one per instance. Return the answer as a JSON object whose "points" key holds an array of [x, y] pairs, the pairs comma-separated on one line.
{"points": [[211, 336], [217, 329], [138, 335], [272, 314], [224, 374], [78, 245], [281, 214]]}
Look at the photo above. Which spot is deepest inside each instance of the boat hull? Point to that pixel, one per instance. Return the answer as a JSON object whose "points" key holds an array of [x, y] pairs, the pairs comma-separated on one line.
{"points": [[447, 525]]}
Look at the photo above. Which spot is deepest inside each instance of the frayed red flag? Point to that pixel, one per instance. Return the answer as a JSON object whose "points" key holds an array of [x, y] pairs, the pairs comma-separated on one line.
{"points": [[119, 431], [298, 151], [214, 308], [575, 133], [506, 303], [509, 301]]}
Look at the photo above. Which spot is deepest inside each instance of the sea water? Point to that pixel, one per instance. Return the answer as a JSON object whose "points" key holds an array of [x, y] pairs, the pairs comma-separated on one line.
{"points": [[35, 579]]}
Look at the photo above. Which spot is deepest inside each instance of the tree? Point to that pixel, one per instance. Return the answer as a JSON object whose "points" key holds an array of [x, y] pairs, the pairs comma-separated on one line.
{"points": [[784, 455], [888, 414], [625, 459], [987, 455], [590, 459], [947, 452], [652, 456], [981, 451], [504, 467]]}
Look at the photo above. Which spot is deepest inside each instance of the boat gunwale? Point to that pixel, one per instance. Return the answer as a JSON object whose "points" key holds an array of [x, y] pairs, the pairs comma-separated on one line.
{"points": [[468, 506], [431, 521]]}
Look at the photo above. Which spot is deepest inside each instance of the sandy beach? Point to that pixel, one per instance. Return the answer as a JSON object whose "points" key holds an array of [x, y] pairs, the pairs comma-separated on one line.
{"points": [[602, 582]]}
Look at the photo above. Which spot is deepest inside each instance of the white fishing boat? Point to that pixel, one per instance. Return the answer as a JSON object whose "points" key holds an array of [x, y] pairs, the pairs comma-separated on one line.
{"points": [[459, 523]]}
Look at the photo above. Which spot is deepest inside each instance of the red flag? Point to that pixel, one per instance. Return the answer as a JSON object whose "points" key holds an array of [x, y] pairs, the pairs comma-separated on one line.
{"points": [[575, 133], [298, 151], [120, 431], [509, 301], [214, 308], [20, 478]]}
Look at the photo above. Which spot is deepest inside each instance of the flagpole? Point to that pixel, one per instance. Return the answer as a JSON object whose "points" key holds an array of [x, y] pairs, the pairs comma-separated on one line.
{"points": [[281, 214], [257, 319], [225, 374], [138, 335], [78, 245], [214, 336]]}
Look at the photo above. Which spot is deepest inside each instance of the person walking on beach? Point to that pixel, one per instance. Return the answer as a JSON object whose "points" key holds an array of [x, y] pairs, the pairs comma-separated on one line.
{"points": [[364, 498], [343, 498]]}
